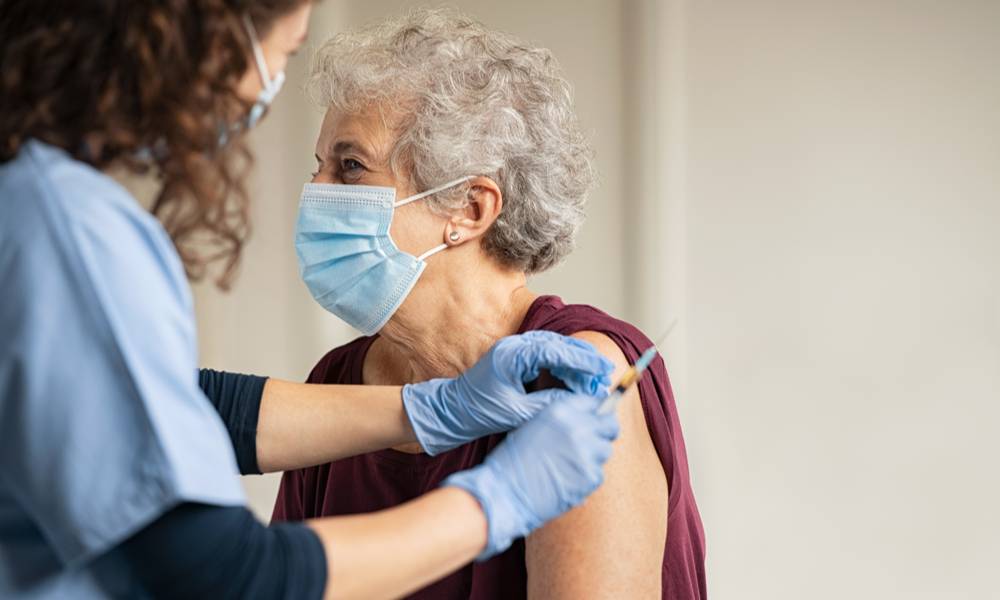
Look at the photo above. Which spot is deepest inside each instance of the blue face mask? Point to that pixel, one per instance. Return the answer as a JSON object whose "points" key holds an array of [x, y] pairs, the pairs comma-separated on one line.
{"points": [[347, 258]]}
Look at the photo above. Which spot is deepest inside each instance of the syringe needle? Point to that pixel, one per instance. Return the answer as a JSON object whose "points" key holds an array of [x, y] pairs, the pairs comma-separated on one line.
{"points": [[634, 373]]}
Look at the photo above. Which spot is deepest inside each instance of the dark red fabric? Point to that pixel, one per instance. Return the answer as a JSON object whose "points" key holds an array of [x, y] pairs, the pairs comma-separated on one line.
{"points": [[382, 479]]}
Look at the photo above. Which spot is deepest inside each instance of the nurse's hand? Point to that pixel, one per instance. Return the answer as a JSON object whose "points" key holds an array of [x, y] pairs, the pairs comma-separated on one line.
{"points": [[541, 470], [491, 397]]}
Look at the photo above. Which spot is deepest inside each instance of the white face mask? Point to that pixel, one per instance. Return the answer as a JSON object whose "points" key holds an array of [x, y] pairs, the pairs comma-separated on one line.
{"points": [[271, 86]]}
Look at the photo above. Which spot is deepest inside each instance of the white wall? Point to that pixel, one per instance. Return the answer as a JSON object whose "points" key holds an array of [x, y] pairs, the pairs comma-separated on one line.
{"points": [[813, 188]]}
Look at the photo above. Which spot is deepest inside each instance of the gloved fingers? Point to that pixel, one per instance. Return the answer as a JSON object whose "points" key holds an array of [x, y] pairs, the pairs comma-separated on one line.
{"points": [[607, 426], [553, 336], [584, 383], [603, 452], [535, 402], [574, 401], [539, 335], [583, 409], [563, 354]]}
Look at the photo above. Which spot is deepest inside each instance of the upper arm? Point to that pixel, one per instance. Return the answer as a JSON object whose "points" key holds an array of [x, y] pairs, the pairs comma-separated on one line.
{"points": [[611, 546]]}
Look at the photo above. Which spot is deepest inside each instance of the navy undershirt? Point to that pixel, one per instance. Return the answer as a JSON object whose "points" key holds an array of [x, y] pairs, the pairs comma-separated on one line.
{"points": [[237, 398], [204, 551]]}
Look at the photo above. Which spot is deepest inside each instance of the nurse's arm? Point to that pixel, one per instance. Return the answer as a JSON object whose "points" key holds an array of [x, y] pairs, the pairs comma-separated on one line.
{"points": [[277, 425], [427, 538], [202, 551], [302, 425]]}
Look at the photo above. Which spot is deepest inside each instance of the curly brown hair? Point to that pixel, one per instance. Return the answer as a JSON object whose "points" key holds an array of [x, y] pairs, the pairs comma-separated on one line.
{"points": [[141, 85]]}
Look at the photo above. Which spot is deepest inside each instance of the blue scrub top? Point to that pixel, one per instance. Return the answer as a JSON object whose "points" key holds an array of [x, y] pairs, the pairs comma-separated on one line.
{"points": [[103, 427]]}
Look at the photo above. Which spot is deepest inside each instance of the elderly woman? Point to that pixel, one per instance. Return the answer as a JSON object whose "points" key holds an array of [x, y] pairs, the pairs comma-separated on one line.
{"points": [[450, 168]]}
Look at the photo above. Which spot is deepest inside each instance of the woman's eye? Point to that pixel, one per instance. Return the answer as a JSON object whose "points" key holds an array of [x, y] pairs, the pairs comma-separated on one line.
{"points": [[349, 165]]}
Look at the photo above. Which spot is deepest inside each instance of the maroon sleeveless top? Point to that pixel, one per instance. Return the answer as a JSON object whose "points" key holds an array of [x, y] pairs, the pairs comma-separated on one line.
{"points": [[379, 480]]}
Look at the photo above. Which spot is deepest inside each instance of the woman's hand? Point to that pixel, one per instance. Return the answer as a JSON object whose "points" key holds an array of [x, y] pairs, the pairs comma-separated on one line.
{"points": [[491, 397]]}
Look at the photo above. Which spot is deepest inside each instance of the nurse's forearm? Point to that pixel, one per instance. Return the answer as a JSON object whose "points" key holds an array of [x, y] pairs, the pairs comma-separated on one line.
{"points": [[391, 553], [302, 425]]}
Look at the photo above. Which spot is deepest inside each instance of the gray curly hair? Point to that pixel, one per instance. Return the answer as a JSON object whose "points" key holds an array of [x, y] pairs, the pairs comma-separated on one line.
{"points": [[476, 102]]}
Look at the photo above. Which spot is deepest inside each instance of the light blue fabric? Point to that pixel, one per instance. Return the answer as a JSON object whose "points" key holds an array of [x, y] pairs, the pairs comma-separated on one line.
{"points": [[102, 424], [347, 258]]}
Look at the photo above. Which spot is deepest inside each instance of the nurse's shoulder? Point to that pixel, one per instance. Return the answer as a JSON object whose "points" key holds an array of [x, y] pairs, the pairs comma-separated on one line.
{"points": [[103, 427], [61, 209]]}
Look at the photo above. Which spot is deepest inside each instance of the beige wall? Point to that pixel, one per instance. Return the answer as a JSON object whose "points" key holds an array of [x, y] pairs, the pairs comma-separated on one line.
{"points": [[843, 199], [813, 188]]}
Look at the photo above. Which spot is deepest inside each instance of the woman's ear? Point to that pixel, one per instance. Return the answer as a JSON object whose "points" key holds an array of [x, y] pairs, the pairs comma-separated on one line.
{"points": [[485, 201]]}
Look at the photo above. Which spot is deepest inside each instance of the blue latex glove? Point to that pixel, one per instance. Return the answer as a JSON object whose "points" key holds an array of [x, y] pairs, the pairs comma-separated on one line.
{"points": [[542, 469], [490, 397]]}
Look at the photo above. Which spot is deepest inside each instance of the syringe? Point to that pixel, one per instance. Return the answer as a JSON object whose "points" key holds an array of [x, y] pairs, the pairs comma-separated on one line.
{"points": [[633, 374]]}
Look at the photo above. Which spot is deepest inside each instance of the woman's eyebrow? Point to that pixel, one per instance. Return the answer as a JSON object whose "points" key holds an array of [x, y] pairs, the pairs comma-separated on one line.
{"points": [[350, 147]]}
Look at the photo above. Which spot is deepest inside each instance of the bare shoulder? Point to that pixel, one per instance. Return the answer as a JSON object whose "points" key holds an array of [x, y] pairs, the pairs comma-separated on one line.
{"points": [[605, 346], [612, 544], [630, 413]]}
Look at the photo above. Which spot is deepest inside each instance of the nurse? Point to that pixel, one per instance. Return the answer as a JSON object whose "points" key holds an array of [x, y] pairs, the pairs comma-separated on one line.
{"points": [[117, 474]]}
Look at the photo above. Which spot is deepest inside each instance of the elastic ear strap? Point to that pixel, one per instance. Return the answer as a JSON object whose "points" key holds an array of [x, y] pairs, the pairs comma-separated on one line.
{"points": [[258, 53], [270, 91], [440, 188], [432, 252]]}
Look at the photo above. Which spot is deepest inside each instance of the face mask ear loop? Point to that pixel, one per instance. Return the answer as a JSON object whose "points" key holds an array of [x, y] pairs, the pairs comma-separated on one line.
{"points": [[440, 188], [432, 252], [258, 52]]}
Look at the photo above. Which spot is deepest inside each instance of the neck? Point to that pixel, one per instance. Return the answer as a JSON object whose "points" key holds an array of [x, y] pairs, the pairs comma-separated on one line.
{"points": [[450, 322]]}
